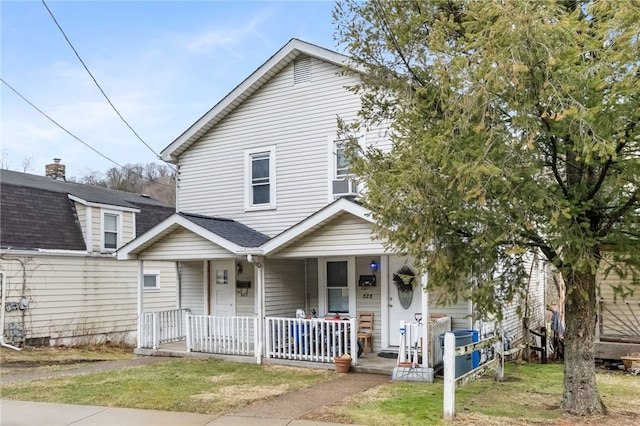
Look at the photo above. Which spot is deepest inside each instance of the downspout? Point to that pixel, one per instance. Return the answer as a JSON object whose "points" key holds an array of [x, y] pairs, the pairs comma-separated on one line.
{"points": [[259, 275], [4, 294]]}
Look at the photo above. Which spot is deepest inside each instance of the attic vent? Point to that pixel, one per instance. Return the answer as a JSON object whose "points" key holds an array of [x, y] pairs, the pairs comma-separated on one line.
{"points": [[302, 70]]}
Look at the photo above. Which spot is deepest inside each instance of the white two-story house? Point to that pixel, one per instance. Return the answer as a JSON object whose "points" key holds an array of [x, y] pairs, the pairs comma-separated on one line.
{"points": [[268, 221]]}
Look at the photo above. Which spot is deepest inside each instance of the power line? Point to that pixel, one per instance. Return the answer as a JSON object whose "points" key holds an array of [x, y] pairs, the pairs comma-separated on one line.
{"points": [[72, 135], [98, 85]]}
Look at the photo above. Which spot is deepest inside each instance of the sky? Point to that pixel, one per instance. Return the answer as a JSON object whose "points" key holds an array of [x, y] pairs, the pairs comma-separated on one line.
{"points": [[162, 64]]}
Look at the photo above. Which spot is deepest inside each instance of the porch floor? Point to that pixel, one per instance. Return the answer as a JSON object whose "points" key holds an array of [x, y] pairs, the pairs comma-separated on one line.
{"points": [[369, 362]]}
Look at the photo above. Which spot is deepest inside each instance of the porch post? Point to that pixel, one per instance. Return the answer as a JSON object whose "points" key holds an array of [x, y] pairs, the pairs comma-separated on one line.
{"points": [[424, 335], [259, 331], [140, 300]]}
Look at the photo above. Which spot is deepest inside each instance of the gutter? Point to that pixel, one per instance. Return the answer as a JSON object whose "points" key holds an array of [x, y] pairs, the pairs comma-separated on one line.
{"points": [[4, 294]]}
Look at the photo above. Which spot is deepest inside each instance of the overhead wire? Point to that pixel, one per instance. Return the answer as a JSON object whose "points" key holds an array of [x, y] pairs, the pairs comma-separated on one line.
{"points": [[100, 87], [72, 135]]}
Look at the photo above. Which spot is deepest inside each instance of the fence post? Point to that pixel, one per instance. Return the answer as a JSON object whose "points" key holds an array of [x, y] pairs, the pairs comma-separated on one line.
{"points": [[449, 358], [156, 330], [353, 335]]}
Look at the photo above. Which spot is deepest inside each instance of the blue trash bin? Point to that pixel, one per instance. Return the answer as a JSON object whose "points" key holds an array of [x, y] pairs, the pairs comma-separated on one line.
{"points": [[475, 356], [464, 363]]}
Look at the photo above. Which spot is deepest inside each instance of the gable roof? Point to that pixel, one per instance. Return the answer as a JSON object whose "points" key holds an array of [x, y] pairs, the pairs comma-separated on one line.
{"points": [[283, 57], [37, 212], [226, 233], [314, 222]]}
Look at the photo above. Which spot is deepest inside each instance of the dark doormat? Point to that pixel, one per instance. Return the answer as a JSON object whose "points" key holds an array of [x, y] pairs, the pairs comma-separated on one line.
{"points": [[388, 354]]}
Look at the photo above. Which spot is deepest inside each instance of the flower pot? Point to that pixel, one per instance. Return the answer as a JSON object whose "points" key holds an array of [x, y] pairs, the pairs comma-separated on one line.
{"points": [[342, 364]]}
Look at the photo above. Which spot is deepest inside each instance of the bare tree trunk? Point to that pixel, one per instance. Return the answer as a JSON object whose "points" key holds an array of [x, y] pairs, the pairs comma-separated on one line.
{"points": [[580, 395]]}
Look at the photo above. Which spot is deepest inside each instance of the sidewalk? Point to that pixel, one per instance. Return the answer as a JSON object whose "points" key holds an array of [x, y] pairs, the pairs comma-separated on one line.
{"points": [[25, 413]]}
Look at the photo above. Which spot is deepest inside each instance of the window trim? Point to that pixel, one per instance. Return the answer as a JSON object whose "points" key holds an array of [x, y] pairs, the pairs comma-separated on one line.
{"points": [[151, 272], [248, 187], [323, 290], [119, 216]]}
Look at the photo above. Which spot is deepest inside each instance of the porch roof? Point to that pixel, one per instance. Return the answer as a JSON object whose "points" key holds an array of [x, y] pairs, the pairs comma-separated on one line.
{"points": [[227, 233], [314, 223]]}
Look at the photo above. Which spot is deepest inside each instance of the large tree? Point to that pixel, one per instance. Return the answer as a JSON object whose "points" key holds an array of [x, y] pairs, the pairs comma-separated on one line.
{"points": [[515, 129]]}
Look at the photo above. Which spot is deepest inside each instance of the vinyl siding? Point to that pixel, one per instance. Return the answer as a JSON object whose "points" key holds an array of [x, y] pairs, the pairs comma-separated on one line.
{"points": [[81, 210], [192, 286], [619, 317], [284, 287], [346, 235], [534, 306], [245, 305], [312, 285], [82, 299], [184, 244], [369, 304], [297, 119]]}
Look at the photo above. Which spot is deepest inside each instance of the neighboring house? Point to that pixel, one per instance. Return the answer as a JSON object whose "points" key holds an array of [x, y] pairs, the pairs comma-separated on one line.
{"points": [[618, 331], [62, 284], [268, 222]]}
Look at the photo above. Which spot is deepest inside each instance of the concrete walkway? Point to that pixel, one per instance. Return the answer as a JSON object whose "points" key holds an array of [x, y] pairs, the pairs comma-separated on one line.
{"points": [[25, 413]]}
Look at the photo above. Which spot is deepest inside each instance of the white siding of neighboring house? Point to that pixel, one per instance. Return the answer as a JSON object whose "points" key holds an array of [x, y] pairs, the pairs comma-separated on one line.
{"points": [[299, 120], [284, 287], [192, 286], [618, 317], [83, 298], [345, 235], [184, 244], [512, 323]]}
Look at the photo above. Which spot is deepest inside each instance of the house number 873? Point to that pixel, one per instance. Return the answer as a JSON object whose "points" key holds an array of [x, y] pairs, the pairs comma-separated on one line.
{"points": [[367, 296]]}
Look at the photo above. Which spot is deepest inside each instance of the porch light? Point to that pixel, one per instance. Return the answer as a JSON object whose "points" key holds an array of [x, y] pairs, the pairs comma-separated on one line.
{"points": [[374, 266]]}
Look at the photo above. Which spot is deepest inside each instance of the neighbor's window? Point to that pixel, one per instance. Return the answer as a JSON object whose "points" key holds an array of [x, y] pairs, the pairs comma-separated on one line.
{"points": [[151, 280], [260, 188], [110, 226], [337, 287]]}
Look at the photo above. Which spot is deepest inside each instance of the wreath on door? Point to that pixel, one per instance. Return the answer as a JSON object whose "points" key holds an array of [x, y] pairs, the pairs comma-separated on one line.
{"points": [[405, 279]]}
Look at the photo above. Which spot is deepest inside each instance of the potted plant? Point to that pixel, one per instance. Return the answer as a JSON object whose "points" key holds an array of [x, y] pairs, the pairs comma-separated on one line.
{"points": [[343, 363]]}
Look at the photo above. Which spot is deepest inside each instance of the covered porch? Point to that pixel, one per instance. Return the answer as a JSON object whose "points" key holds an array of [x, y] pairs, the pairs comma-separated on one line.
{"points": [[299, 342], [294, 298]]}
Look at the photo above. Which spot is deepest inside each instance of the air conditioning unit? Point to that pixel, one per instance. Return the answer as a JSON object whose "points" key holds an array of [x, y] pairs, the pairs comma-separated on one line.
{"points": [[344, 188]]}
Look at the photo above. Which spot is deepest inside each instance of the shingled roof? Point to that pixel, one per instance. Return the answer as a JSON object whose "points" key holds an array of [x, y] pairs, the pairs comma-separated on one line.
{"points": [[36, 212], [228, 229]]}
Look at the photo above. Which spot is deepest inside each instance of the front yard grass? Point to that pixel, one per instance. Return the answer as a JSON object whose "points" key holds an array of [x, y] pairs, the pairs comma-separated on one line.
{"points": [[530, 395]]}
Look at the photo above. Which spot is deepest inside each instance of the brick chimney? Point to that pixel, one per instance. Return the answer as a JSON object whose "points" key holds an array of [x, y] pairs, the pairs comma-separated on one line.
{"points": [[55, 170]]}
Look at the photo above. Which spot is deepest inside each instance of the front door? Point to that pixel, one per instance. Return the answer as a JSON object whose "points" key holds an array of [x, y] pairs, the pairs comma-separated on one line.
{"points": [[223, 288], [402, 310]]}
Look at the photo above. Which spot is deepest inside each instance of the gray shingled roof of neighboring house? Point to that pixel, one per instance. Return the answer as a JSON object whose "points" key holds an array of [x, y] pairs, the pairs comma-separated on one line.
{"points": [[36, 212], [228, 229]]}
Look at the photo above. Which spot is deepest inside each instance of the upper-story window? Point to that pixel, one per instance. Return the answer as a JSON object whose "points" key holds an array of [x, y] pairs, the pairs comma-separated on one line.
{"points": [[342, 165], [341, 182], [111, 230], [260, 187]]}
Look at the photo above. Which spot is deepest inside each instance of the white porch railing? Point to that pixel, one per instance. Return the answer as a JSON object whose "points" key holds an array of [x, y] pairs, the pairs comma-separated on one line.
{"points": [[162, 327], [315, 339], [221, 335], [437, 326]]}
